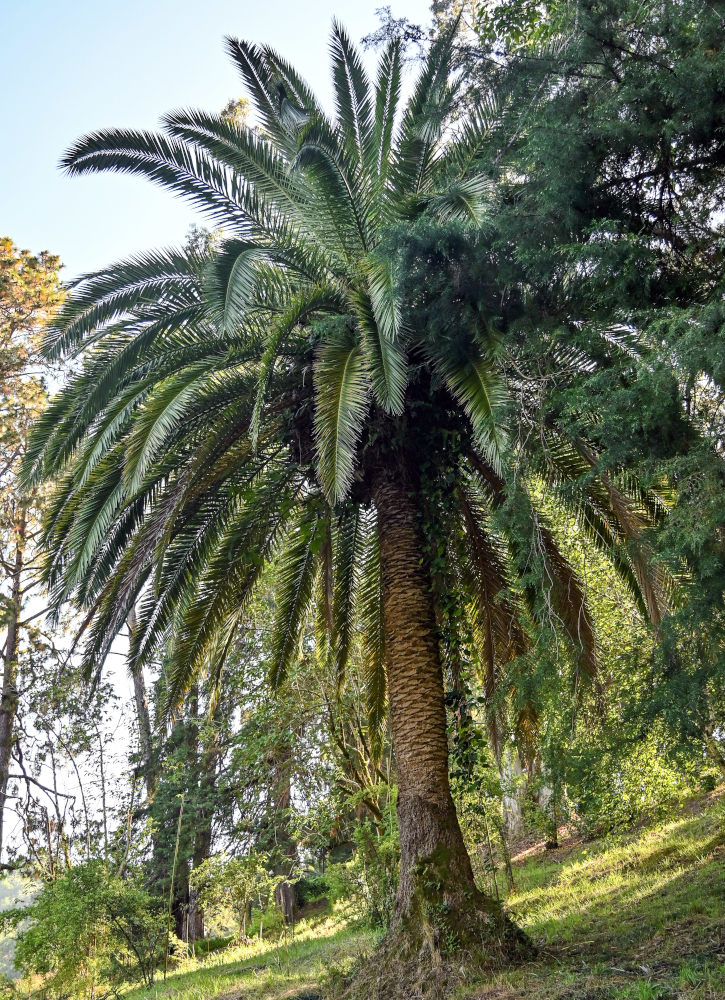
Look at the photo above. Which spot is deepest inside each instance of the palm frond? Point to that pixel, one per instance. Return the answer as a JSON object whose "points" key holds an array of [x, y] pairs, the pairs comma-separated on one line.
{"points": [[340, 406], [241, 149], [387, 95], [317, 299], [467, 200], [379, 316], [554, 595], [424, 116], [345, 542], [230, 282], [193, 175], [296, 574], [229, 578], [328, 167], [352, 95], [498, 630], [480, 390]]}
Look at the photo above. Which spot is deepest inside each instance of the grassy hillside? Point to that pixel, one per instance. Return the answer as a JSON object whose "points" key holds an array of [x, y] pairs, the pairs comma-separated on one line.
{"points": [[642, 916], [323, 944], [634, 918]]}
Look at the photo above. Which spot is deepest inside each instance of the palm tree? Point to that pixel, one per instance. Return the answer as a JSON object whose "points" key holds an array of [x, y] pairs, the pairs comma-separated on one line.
{"points": [[280, 395]]}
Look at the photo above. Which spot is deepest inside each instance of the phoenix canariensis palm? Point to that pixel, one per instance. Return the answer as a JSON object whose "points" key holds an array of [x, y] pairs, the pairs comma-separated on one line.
{"points": [[271, 397]]}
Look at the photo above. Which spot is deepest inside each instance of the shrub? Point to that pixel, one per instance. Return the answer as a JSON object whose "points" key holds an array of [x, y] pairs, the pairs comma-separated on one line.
{"points": [[370, 878], [236, 883], [628, 784], [89, 929], [312, 887]]}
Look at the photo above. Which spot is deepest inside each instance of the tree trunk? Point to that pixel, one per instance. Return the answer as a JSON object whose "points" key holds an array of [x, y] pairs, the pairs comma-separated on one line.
{"points": [[202, 851], [439, 908], [206, 795], [513, 786], [9, 696], [427, 815], [284, 893], [143, 718]]}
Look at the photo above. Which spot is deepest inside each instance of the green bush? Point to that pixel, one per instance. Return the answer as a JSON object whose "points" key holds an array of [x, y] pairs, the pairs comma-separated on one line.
{"points": [[370, 878], [310, 888], [88, 931], [628, 784], [236, 884], [208, 945]]}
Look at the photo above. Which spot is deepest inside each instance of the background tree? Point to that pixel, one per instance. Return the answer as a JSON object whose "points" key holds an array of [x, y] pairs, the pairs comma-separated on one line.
{"points": [[30, 291], [608, 146]]}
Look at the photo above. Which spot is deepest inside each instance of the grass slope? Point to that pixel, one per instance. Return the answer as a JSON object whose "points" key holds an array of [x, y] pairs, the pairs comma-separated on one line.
{"points": [[639, 917], [269, 970]]}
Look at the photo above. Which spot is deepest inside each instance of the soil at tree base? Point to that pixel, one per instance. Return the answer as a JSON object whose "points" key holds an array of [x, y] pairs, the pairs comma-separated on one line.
{"points": [[440, 941]]}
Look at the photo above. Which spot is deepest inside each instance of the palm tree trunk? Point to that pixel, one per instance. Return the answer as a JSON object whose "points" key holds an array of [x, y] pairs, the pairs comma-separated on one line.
{"points": [[429, 829], [438, 904]]}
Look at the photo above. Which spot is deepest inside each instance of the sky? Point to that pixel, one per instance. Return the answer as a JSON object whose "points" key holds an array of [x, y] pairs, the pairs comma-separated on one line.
{"points": [[75, 66]]}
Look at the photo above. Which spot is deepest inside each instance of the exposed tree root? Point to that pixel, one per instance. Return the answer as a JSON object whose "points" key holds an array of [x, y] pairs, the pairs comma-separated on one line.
{"points": [[436, 963], [443, 939]]}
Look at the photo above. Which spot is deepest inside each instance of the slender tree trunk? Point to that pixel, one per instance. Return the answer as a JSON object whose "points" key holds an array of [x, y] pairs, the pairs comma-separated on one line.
{"points": [[143, 718], [513, 785], [9, 696], [210, 752], [104, 801], [284, 892], [183, 901], [202, 851], [144, 728]]}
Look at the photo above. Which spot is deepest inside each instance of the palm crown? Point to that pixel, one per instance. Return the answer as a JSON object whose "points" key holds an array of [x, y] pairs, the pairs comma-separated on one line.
{"points": [[236, 401]]}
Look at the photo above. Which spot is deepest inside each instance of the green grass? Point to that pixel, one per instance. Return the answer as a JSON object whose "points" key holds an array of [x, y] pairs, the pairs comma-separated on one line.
{"points": [[639, 917], [322, 945], [606, 893]]}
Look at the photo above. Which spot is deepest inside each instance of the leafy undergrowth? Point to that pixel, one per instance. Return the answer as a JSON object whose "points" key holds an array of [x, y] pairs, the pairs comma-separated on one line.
{"points": [[639, 917]]}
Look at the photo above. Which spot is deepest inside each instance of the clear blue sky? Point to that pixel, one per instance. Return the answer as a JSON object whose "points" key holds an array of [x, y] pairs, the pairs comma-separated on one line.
{"points": [[73, 66]]}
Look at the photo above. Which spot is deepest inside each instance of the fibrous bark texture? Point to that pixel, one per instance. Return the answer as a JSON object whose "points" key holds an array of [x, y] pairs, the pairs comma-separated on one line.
{"points": [[415, 691]]}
